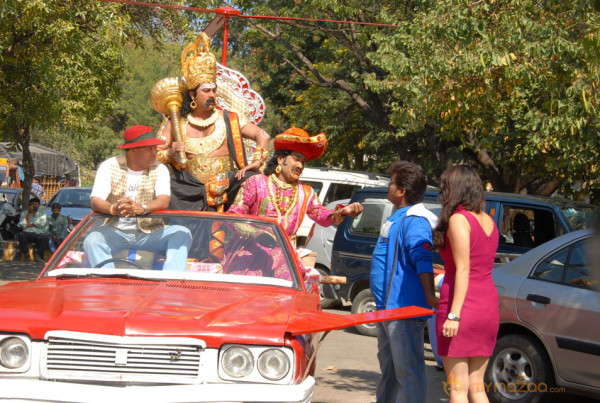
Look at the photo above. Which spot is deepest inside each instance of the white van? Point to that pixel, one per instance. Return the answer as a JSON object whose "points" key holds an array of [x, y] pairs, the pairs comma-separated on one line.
{"points": [[332, 184]]}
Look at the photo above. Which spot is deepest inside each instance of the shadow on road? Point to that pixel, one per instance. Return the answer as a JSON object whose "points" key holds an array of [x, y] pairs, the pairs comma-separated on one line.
{"points": [[348, 380], [19, 270]]}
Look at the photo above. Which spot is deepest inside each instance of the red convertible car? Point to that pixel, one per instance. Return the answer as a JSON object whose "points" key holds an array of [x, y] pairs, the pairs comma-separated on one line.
{"points": [[236, 322]]}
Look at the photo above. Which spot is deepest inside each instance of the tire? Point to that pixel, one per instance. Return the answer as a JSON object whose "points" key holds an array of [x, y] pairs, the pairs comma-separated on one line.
{"points": [[326, 303], [518, 370], [365, 302]]}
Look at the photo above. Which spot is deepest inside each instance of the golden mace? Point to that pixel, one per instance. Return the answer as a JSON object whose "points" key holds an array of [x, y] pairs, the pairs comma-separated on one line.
{"points": [[166, 98]]}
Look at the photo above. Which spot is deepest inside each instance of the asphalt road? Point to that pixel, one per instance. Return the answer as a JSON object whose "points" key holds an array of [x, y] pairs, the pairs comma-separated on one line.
{"points": [[19, 271], [348, 370]]}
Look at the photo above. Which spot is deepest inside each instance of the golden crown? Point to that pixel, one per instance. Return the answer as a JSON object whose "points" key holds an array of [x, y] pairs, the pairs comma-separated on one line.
{"points": [[200, 66]]}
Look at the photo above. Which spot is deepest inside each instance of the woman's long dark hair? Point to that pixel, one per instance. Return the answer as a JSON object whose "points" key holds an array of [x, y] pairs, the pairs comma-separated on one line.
{"points": [[272, 163], [459, 185]]}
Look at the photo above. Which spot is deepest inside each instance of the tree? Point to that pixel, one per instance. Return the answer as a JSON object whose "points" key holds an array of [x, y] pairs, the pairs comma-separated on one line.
{"points": [[507, 86], [60, 64], [143, 67]]}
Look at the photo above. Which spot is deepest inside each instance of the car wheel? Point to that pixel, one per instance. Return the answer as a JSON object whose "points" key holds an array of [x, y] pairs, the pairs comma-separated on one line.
{"points": [[365, 302], [519, 371], [326, 303]]}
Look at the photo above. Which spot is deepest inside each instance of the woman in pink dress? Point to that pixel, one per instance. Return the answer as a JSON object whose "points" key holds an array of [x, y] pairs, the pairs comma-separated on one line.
{"points": [[467, 319]]}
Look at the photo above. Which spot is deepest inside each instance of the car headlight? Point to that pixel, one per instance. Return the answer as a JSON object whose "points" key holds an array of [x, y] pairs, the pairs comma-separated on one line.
{"points": [[237, 362], [273, 364], [14, 353]]}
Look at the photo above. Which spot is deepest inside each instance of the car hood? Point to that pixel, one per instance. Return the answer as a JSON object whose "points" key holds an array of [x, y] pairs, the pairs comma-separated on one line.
{"points": [[127, 307], [216, 312]]}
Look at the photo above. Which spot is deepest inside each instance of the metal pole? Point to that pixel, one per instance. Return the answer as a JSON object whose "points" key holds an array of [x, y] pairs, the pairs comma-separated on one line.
{"points": [[225, 34]]}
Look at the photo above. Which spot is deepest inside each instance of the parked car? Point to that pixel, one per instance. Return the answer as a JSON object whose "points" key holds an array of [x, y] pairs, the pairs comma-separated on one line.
{"points": [[334, 184], [75, 203], [234, 326], [355, 239], [320, 241], [549, 322]]}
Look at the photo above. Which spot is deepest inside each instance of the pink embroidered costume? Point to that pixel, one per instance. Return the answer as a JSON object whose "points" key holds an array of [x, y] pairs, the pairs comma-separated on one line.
{"points": [[279, 194], [268, 196]]}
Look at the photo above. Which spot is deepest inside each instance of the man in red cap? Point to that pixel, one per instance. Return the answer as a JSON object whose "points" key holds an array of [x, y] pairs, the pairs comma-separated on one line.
{"points": [[280, 194], [128, 187]]}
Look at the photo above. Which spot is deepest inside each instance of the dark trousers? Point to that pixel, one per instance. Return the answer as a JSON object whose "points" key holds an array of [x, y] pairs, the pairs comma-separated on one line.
{"points": [[40, 241]]}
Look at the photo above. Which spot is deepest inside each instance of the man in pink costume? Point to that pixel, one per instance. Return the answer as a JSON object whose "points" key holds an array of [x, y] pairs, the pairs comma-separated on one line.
{"points": [[279, 193]]}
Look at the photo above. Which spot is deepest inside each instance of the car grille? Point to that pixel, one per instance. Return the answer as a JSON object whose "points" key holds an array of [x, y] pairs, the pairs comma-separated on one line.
{"points": [[155, 362]]}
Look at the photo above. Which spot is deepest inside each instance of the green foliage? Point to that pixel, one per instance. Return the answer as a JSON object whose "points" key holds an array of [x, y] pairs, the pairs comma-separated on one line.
{"points": [[61, 64], [509, 84], [511, 87]]}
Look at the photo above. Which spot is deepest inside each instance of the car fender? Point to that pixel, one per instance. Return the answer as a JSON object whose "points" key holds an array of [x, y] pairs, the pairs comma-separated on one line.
{"points": [[357, 286]]}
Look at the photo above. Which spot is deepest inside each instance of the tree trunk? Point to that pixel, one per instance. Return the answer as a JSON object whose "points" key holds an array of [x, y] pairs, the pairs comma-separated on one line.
{"points": [[23, 137]]}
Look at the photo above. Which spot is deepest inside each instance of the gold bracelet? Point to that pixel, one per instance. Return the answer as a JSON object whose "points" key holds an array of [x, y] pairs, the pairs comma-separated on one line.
{"points": [[110, 210], [337, 217], [260, 154]]}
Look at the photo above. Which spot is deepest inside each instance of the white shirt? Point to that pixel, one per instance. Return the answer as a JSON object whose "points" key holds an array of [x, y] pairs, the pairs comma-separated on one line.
{"points": [[102, 187]]}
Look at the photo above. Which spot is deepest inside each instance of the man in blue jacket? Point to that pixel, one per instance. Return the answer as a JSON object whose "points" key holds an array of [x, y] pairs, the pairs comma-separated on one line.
{"points": [[402, 275]]}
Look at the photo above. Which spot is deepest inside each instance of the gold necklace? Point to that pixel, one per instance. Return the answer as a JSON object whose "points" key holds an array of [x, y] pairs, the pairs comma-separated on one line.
{"points": [[208, 144], [277, 201], [203, 122]]}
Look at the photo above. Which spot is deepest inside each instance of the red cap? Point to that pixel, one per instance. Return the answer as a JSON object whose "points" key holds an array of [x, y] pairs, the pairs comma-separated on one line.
{"points": [[140, 136]]}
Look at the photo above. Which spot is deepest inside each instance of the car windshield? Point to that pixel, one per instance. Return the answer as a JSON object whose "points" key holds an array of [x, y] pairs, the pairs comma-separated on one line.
{"points": [[581, 217], [73, 198], [221, 249]]}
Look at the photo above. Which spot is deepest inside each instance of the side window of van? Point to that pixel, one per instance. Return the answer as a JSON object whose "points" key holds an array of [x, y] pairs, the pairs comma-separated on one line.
{"points": [[375, 212], [527, 227], [434, 206], [338, 191], [317, 186]]}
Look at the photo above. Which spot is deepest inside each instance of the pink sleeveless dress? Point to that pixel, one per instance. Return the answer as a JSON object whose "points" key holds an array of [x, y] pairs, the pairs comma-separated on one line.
{"points": [[479, 317]]}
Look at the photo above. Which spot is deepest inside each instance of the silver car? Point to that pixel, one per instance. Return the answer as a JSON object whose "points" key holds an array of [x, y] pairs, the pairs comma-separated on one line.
{"points": [[549, 337]]}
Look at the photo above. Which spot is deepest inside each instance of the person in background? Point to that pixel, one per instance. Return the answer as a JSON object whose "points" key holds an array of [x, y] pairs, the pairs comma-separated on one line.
{"points": [[57, 227], [467, 319], [129, 187], [401, 276], [35, 230], [37, 189]]}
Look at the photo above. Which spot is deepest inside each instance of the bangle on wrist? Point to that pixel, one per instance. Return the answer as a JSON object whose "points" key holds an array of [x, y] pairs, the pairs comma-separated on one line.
{"points": [[110, 210]]}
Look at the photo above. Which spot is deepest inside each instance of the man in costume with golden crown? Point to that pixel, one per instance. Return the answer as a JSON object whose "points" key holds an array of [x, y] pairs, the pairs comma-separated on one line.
{"points": [[213, 140], [279, 193]]}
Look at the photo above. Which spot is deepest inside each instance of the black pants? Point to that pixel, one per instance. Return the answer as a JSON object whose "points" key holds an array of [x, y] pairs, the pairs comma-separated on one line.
{"points": [[188, 193], [40, 241]]}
